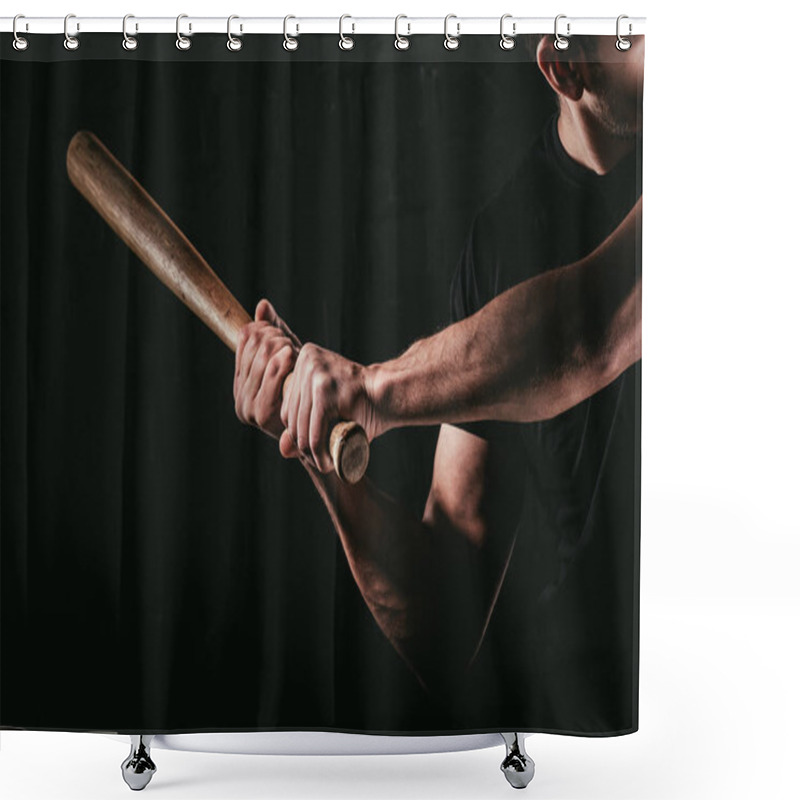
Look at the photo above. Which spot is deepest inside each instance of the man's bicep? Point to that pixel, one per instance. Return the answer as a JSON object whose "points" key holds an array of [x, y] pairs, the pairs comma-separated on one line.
{"points": [[477, 486], [457, 489], [473, 510]]}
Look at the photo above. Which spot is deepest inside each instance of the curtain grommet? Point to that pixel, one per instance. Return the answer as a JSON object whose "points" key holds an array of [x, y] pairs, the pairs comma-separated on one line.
{"points": [[129, 42], [507, 42], [182, 42], [71, 42], [560, 42], [234, 43], [290, 43], [20, 43], [451, 42], [401, 42], [346, 43]]}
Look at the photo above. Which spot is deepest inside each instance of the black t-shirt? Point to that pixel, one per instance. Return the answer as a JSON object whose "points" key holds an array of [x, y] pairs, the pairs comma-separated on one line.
{"points": [[579, 467]]}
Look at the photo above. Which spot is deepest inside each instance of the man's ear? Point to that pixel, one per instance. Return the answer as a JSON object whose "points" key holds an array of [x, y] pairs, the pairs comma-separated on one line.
{"points": [[564, 70]]}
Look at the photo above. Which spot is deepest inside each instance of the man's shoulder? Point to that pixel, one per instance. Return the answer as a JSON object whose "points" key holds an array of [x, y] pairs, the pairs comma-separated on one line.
{"points": [[506, 236]]}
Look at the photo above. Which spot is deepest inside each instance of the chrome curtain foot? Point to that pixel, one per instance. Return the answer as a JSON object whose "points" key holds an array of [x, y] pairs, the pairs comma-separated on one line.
{"points": [[138, 768], [517, 766]]}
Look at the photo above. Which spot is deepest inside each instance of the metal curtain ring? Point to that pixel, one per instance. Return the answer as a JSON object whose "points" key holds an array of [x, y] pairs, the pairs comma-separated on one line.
{"points": [[129, 42], [289, 43], [622, 43], [346, 42], [234, 43], [70, 42], [182, 42], [560, 42], [507, 42], [451, 42], [401, 42], [20, 42]]}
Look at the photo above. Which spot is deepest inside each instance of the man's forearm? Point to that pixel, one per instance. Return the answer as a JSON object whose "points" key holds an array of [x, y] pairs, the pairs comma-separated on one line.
{"points": [[531, 353], [406, 571]]}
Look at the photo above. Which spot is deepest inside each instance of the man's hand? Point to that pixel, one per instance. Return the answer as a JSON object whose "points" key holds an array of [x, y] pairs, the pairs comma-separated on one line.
{"points": [[325, 388], [265, 355]]}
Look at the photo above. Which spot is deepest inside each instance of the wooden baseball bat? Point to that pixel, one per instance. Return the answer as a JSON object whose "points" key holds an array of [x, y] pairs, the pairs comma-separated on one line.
{"points": [[142, 224]]}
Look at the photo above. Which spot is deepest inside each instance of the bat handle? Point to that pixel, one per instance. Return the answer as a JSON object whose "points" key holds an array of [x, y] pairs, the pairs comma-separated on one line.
{"points": [[348, 447]]}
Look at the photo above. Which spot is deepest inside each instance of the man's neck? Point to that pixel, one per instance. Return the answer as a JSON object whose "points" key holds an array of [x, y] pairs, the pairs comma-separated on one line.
{"points": [[586, 142]]}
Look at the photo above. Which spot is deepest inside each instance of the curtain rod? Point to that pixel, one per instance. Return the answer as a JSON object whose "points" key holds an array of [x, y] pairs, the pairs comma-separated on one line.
{"points": [[461, 26]]}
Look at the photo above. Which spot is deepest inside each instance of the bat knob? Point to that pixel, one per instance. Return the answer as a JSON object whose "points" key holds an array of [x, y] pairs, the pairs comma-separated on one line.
{"points": [[349, 448]]}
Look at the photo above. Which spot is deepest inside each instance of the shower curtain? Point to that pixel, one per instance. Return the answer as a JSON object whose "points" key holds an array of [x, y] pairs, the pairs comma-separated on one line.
{"points": [[448, 242]]}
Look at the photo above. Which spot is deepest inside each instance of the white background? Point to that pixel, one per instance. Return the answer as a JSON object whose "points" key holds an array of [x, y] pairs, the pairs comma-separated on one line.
{"points": [[720, 600]]}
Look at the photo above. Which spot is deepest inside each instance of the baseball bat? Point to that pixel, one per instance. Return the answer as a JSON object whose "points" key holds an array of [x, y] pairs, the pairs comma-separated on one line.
{"points": [[143, 225]]}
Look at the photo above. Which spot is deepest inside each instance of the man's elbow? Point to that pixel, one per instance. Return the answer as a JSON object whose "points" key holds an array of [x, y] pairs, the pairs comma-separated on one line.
{"points": [[458, 518]]}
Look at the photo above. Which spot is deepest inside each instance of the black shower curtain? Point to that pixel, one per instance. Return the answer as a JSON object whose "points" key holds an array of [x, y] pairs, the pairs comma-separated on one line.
{"points": [[164, 568]]}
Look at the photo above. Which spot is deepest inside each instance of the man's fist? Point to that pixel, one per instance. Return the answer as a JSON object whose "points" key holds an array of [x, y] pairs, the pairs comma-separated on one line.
{"points": [[325, 388], [265, 355]]}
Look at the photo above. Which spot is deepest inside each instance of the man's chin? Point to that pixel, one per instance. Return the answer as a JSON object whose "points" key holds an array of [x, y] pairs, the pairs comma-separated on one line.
{"points": [[622, 129], [630, 134]]}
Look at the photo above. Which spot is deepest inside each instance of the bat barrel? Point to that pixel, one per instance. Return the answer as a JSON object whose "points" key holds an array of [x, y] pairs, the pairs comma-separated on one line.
{"points": [[143, 225]]}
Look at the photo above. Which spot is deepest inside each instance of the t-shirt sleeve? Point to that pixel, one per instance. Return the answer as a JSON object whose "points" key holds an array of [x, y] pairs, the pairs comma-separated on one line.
{"points": [[470, 288], [462, 287]]}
